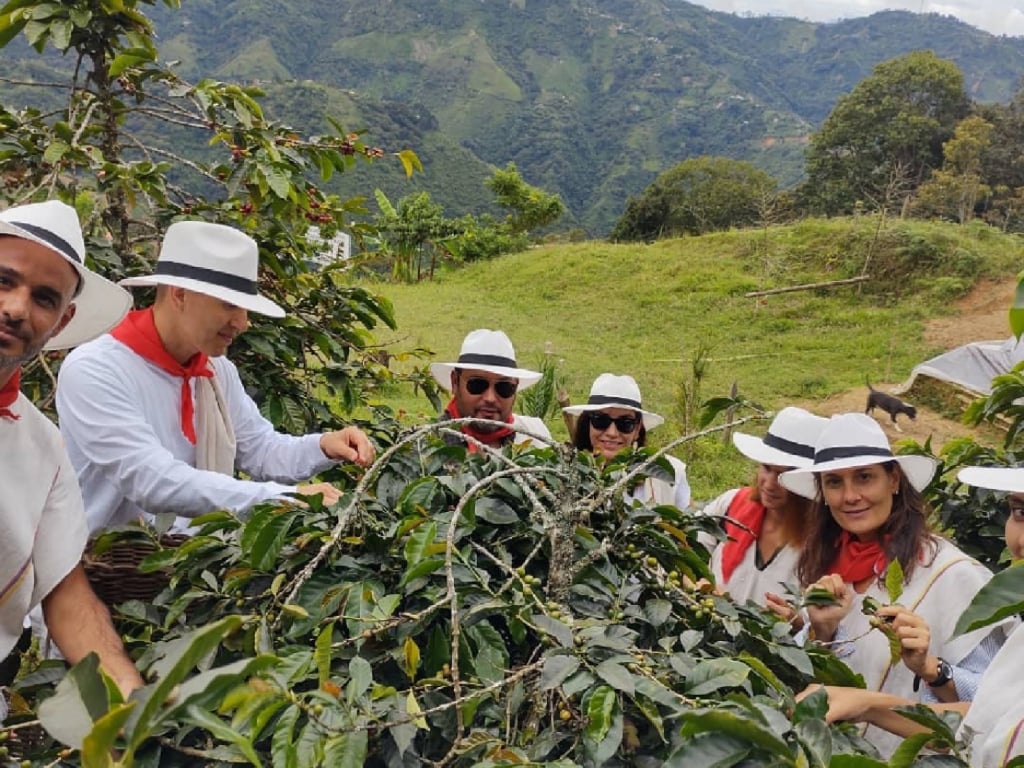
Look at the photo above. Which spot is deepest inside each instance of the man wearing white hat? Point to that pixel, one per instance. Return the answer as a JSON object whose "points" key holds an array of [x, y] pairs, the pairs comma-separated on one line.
{"points": [[48, 301], [484, 382], [155, 416]]}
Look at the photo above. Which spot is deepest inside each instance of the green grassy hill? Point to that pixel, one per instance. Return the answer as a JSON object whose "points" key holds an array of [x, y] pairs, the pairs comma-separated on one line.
{"points": [[645, 309]]}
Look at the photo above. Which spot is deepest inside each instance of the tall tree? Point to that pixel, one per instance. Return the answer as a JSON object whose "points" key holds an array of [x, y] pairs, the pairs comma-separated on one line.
{"points": [[100, 148], [885, 137], [955, 189], [702, 194]]}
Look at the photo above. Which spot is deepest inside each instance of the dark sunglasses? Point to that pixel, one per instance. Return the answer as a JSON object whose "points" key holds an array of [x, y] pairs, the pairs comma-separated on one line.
{"points": [[625, 424], [504, 389]]}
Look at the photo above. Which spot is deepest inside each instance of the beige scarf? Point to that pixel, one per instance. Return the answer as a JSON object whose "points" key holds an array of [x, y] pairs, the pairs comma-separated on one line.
{"points": [[215, 437]]}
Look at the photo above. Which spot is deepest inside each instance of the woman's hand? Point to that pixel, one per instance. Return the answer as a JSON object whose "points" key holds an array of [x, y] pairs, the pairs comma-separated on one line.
{"points": [[825, 619], [778, 605], [913, 633]]}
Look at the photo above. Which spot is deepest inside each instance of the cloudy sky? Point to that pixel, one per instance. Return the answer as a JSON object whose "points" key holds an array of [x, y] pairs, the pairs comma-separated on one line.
{"points": [[1000, 17]]}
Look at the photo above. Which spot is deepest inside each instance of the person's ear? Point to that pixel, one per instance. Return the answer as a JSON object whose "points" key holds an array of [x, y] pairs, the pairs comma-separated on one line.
{"points": [[69, 313], [455, 379]]}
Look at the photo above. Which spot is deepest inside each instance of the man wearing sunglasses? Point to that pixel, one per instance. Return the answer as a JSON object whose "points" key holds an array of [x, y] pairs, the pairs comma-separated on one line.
{"points": [[484, 382]]}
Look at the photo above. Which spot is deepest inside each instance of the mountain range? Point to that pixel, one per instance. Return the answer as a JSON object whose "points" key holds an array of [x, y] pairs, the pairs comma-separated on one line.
{"points": [[590, 98]]}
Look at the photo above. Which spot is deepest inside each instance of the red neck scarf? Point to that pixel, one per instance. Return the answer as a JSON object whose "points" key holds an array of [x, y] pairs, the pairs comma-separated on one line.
{"points": [[858, 560], [495, 438], [138, 332], [749, 513], [8, 394]]}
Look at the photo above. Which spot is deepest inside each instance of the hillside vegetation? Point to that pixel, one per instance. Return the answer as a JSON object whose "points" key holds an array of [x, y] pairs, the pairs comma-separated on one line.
{"points": [[645, 309], [590, 98]]}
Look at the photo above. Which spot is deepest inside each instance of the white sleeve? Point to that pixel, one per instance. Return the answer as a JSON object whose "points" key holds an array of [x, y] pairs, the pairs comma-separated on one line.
{"points": [[263, 452], [681, 483], [98, 410]]}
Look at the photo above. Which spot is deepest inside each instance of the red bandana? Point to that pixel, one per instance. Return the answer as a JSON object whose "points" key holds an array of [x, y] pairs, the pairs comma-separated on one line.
{"points": [[858, 560], [749, 513], [138, 332], [8, 394], [497, 437]]}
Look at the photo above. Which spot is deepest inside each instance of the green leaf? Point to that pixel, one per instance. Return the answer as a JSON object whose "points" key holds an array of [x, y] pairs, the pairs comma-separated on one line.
{"points": [[1001, 597], [709, 750], [80, 699], [417, 546], [223, 731], [735, 725], [556, 669], [413, 709], [360, 675], [410, 162], [347, 750], [905, 753], [322, 653], [495, 511], [599, 713], [411, 658], [616, 675], [561, 632], [98, 746], [714, 674], [271, 539], [894, 581], [278, 181], [657, 612], [55, 152], [817, 740], [1017, 310], [177, 658]]}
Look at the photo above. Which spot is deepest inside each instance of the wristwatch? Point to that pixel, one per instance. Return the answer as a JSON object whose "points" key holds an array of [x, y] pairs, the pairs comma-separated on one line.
{"points": [[944, 673]]}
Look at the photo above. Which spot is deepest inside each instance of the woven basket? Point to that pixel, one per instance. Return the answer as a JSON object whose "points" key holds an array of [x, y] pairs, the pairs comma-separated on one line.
{"points": [[113, 569]]}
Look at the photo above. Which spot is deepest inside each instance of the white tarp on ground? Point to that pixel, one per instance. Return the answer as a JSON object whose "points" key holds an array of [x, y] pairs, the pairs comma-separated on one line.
{"points": [[972, 366]]}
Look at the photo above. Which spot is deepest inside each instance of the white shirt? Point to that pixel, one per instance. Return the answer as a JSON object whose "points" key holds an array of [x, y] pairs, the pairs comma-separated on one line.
{"points": [[657, 491], [994, 725], [121, 418], [44, 530], [748, 582], [939, 593]]}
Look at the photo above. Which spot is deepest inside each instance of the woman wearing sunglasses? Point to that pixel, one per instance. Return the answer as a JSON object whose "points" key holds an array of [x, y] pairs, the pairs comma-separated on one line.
{"points": [[612, 420], [869, 512], [765, 523], [993, 726]]}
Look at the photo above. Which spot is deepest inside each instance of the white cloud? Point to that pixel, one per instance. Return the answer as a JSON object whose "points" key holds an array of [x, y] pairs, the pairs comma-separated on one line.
{"points": [[996, 16]]}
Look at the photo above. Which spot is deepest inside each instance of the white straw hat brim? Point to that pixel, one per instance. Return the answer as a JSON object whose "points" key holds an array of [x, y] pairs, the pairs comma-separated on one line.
{"points": [[247, 301], [755, 449], [919, 471], [1008, 479], [651, 420], [442, 373], [99, 305]]}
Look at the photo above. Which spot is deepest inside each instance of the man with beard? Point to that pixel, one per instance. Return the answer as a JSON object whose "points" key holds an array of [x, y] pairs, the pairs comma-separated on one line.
{"points": [[484, 382], [48, 300], [155, 416]]}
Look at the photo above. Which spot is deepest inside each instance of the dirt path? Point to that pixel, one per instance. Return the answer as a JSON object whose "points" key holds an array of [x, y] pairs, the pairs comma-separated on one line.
{"points": [[979, 315]]}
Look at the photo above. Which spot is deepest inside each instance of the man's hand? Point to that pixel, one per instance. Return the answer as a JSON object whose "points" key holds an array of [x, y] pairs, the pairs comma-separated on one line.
{"points": [[825, 619], [348, 444], [329, 492]]}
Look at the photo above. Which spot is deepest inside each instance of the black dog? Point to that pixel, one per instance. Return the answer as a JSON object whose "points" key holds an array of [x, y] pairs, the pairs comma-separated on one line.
{"points": [[888, 403]]}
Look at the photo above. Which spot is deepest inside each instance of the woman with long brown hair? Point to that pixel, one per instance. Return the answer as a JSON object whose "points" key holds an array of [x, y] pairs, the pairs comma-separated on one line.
{"points": [[869, 514]]}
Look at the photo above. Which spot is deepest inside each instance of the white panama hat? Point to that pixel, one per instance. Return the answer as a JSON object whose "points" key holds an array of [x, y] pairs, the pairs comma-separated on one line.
{"points": [[789, 442], [99, 304], [1008, 479], [212, 259], [486, 350], [611, 391], [854, 440]]}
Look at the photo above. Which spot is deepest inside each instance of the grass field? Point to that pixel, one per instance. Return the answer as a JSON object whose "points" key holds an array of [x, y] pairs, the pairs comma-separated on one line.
{"points": [[645, 309]]}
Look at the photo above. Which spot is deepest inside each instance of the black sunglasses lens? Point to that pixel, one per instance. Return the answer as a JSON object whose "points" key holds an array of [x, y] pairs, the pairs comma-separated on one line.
{"points": [[601, 422], [478, 385], [505, 389]]}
